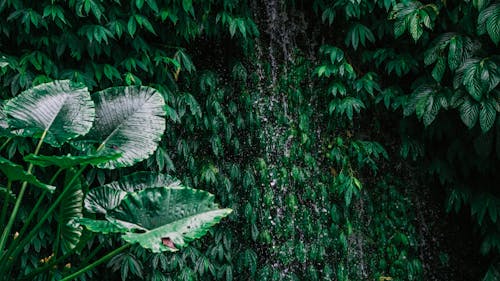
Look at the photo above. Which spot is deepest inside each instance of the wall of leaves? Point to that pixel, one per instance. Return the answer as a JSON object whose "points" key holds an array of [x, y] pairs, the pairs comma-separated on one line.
{"points": [[305, 124]]}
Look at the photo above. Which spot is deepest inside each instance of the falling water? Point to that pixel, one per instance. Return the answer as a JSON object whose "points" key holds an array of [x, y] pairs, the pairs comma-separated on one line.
{"points": [[275, 48]]}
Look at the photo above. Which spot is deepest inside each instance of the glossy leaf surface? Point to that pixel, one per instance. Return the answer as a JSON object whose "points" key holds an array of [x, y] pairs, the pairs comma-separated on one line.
{"points": [[62, 110]]}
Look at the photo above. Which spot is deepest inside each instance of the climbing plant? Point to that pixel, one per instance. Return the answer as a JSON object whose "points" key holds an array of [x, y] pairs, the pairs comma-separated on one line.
{"points": [[301, 116]]}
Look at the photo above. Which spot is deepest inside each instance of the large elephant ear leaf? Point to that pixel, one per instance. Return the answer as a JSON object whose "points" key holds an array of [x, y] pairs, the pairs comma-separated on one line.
{"points": [[129, 120], [167, 218], [141, 180], [107, 197], [101, 199], [60, 110]]}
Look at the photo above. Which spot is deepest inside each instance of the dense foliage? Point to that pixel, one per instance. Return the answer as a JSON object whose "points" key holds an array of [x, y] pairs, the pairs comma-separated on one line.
{"points": [[318, 122], [114, 128]]}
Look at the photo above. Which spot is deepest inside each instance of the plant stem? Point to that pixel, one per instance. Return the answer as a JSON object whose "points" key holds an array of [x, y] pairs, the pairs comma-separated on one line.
{"points": [[6, 203], [92, 254], [6, 231], [96, 263], [16, 250], [37, 205], [5, 143]]}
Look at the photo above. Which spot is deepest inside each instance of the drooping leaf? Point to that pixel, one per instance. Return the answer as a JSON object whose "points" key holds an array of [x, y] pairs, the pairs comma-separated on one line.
{"points": [[70, 209], [61, 109], [15, 172], [67, 161], [130, 121]]}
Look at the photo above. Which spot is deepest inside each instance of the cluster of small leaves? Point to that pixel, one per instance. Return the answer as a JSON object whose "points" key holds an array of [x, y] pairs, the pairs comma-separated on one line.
{"points": [[438, 62]]}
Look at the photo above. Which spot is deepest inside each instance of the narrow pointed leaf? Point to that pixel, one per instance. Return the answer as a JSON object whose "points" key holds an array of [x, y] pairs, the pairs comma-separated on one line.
{"points": [[67, 161], [15, 172], [61, 109], [129, 120]]}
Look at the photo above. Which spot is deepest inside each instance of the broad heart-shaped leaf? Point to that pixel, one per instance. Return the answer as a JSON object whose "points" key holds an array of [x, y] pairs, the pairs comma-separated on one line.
{"points": [[15, 172], [129, 120], [142, 180], [176, 215], [167, 217], [71, 208], [61, 109], [104, 198], [67, 161]]}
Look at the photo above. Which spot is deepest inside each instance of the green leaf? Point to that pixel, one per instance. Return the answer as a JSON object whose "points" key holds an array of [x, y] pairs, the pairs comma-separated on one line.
{"points": [[103, 199], [70, 209], [152, 4], [167, 217], [416, 30], [15, 172], [455, 53], [187, 5], [489, 20], [179, 216], [142, 180], [67, 161], [100, 226], [487, 115], [469, 113], [439, 69], [62, 110], [129, 120], [107, 197]]}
